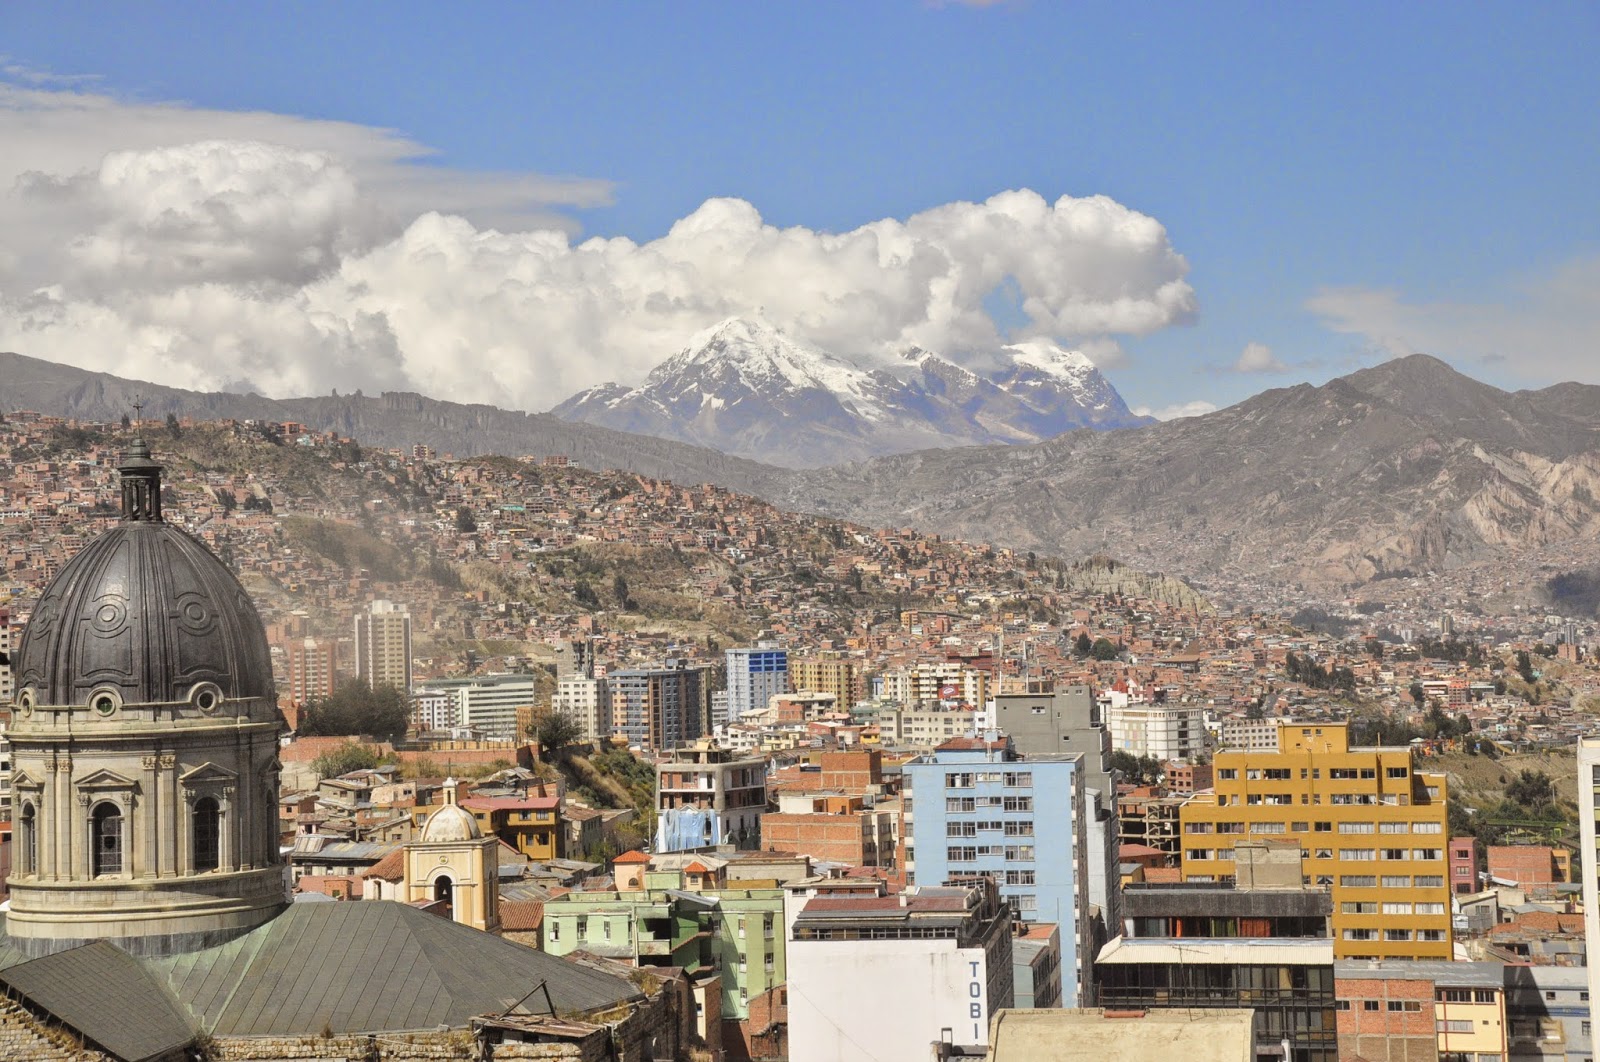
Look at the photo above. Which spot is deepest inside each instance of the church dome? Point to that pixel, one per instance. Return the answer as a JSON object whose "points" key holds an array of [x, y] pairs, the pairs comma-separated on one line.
{"points": [[144, 614], [451, 823]]}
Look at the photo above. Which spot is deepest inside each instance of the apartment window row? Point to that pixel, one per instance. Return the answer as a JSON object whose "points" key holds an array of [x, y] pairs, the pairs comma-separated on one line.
{"points": [[1019, 877], [1394, 1006], [1464, 995], [1009, 779]]}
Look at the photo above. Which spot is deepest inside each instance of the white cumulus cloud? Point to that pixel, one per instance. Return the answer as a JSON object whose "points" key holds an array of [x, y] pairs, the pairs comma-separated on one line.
{"points": [[217, 250], [1177, 411], [1258, 357]]}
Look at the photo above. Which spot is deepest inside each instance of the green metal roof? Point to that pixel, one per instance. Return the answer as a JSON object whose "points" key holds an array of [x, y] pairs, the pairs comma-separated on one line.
{"points": [[371, 967], [105, 994]]}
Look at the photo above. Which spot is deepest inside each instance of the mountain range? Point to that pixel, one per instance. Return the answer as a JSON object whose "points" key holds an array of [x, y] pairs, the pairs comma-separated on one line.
{"points": [[747, 389], [1409, 466]]}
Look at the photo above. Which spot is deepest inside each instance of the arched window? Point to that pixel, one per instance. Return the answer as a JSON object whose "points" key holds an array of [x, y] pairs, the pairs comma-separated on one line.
{"points": [[207, 835], [106, 832], [28, 848], [443, 887]]}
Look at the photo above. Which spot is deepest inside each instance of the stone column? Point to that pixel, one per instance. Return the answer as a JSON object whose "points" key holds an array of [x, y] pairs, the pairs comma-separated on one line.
{"points": [[149, 842]]}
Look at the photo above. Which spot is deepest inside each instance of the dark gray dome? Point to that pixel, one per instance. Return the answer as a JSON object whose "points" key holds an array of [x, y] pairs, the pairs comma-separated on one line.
{"points": [[145, 609]]}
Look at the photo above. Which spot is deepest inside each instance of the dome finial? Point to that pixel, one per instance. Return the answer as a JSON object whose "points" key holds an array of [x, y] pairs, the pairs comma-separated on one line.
{"points": [[141, 484]]}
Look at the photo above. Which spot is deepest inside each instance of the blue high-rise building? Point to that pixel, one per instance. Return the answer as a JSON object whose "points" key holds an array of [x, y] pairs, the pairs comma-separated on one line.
{"points": [[978, 808], [755, 676]]}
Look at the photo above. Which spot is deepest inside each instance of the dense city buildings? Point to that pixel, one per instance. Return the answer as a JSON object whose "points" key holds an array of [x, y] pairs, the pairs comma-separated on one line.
{"points": [[383, 646], [1397, 1011], [587, 702], [494, 707], [831, 671], [1372, 827]]}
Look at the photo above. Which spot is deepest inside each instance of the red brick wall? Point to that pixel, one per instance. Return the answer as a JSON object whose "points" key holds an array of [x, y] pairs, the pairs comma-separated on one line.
{"points": [[1384, 1035]]}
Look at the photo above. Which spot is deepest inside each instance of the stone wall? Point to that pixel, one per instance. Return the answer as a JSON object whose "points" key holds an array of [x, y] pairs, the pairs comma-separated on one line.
{"points": [[22, 1036]]}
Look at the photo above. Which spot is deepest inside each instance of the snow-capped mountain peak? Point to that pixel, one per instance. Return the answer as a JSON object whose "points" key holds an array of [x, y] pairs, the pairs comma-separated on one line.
{"points": [[745, 387]]}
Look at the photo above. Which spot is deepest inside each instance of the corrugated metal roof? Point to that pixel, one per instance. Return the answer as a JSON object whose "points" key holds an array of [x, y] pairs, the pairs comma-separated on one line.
{"points": [[105, 994], [371, 967]]}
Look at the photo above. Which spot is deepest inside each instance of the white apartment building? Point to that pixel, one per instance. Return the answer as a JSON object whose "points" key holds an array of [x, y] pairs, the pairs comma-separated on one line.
{"points": [[487, 704], [383, 646], [587, 702], [1250, 735], [1164, 731], [934, 682]]}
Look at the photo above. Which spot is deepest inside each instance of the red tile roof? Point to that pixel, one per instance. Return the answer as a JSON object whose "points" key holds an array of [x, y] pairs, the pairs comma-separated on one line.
{"points": [[631, 857]]}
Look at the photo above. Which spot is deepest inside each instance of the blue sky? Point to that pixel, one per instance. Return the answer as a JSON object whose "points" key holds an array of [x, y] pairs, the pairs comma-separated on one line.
{"points": [[1344, 182]]}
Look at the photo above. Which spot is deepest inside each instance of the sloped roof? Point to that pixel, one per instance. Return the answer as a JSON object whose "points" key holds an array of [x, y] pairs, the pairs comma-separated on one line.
{"points": [[370, 967], [104, 993]]}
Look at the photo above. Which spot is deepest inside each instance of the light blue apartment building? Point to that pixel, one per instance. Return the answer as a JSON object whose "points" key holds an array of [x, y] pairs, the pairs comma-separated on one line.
{"points": [[755, 675], [978, 808]]}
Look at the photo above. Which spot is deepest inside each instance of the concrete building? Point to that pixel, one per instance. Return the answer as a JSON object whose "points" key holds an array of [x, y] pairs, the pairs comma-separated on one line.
{"points": [[1093, 1035], [383, 646], [659, 708], [875, 977], [1067, 720], [830, 672], [755, 676], [1249, 735], [1547, 1014], [707, 796], [1161, 731], [934, 682], [7, 688], [433, 710], [1396, 1011], [1036, 965], [1372, 828], [978, 808], [1463, 865], [488, 704], [838, 813], [587, 702], [312, 670], [1203, 947], [1588, 839]]}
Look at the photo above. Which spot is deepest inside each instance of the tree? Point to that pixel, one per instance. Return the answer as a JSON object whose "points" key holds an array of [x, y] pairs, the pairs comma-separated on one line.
{"points": [[174, 429], [1103, 649], [584, 594], [554, 731], [126, 422], [1531, 789], [1525, 666], [344, 759], [1084, 643], [1418, 693], [356, 708], [466, 523]]}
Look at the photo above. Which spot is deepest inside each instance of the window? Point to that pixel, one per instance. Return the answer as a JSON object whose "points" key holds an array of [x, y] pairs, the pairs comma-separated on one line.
{"points": [[1431, 936], [1369, 1004], [29, 848], [1395, 772], [1357, 855], [606, 926], [1454, 1026], [1358, 907], [1027, 902], [962, 780], [583, 926], [1394, 827], [1197, 853], [1453, 995], [1227, 774], [963, 854], [1322, 827], [1341, 1004], [1342, 773], [555, 929], [1018, 803], [1019, 829], [1266, 827], [1395, 908], [1019, 877], [1358, 881], [106, 829], [1483, 995], [1397, 934], [1019, 852], [961, 829], [1428, 881], [1430, 909], [1355, 827], [1361, 934], [1197, 827], [1019, 779], [1299, 827], [1427, 853], [1427, 827], [1392, 853], [1230, 827], [1396, 881], [207, 835], [1405, 1006], [1322, 853], [959, 804]]}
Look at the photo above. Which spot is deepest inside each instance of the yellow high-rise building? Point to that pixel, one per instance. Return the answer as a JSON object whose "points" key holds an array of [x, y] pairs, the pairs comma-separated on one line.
{"points": [[1371, 828]]}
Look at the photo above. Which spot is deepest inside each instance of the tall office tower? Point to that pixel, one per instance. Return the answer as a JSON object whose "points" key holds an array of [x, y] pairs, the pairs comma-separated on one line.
{"points": [[1372, 828], [754, 677], [312, 674], [383, 646], [1589, 834], [830, 672], [659, 708]]}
